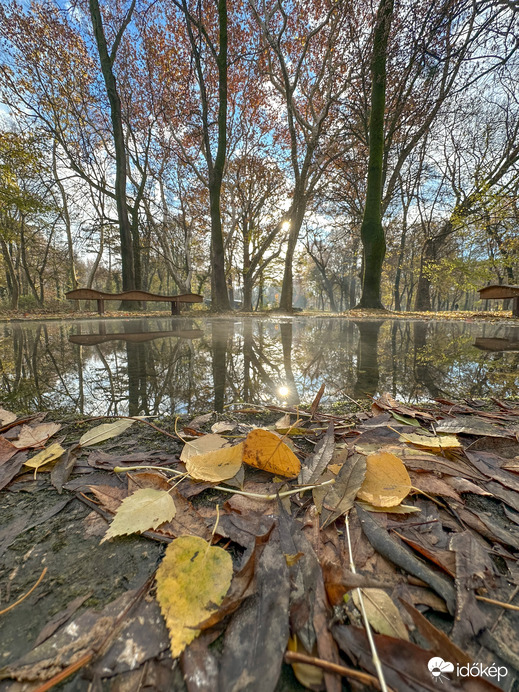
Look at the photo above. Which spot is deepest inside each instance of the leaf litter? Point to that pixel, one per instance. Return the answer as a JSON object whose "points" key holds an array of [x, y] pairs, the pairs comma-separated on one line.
{"points": [[359, 549]]}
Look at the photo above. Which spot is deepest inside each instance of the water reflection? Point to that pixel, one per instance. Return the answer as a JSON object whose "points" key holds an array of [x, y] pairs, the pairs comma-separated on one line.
{"points": [[177, 365]]}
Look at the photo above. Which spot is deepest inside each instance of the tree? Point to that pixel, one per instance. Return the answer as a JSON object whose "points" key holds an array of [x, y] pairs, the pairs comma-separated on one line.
{"points": [[371, 232]]}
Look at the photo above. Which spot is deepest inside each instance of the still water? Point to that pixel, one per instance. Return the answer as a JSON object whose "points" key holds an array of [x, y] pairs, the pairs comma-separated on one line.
{"points": [[178, 365]]}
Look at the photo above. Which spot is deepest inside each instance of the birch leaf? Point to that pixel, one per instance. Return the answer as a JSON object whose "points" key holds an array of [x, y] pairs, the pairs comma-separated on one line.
{"points": [[104, 432], [191, 584], [217, 465], [265, 450], [143, 510]]}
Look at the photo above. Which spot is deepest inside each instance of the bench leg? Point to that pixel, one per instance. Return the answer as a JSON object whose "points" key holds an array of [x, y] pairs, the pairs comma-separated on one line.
{"points": [[175, 307], [100, 306]]}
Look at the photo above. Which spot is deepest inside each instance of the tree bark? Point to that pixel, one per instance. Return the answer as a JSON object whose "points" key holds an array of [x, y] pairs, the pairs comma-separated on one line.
{"points": [[107, 61], [372, 232]]}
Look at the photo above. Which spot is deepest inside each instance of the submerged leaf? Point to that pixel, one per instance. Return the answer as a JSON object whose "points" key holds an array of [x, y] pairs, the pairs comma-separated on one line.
{"points": [[191, 584], [386, 482], [104, 432], [217, 465], [265, 450], [145, 509]]}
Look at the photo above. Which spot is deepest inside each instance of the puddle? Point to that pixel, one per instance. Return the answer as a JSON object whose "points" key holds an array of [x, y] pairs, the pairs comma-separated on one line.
{"points": [[178, 365]]}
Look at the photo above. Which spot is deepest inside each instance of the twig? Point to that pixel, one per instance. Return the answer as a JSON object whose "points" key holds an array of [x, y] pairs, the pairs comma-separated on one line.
{"points": [[365, 678], [502, 604], [374, 653], [260, 496], [22, 598]]}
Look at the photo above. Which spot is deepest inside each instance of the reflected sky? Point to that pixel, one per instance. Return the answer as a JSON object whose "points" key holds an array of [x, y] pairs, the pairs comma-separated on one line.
{"points": [[185, 366]]}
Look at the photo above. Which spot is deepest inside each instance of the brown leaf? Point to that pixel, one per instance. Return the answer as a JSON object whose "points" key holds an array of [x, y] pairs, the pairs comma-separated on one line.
{"points": [[10, 468], [316, 463], [7, 450], [339, 498], [35, 436]]}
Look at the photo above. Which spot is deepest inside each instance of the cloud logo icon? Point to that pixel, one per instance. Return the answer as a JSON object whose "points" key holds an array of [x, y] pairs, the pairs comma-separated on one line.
{"points": [[438, 667]]}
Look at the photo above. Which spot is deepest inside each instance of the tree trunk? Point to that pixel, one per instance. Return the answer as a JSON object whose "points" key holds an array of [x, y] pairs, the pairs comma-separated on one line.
{"points": [[107, 60], [296, 216], [11, 273], [423, 290], [372, 232]]}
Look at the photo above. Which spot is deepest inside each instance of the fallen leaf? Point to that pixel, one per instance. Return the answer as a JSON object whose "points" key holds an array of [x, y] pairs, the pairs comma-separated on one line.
{"points": [[104, 432], [316, 463], [397, 509], [192, 581], [309, 676], [206, 443], [145, 509], [217, 465], [35, 437], [406, 420], [223, 426], [283, 422], [432, 442], [472, 425], [265, 450], [45, 456], [7, 450], [6, 417], [340, 496], [382, 613], [386, 482]]}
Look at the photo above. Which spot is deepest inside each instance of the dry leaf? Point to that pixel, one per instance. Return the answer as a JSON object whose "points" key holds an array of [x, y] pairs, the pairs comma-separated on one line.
{"points": [[37, 436], [386, 482], [443, 442], [145, 509], [265, 450], [217, 465], [309, 676], [104, 432], [6, 416], [397, 509], [383, 615], [45, 456], [223, 426], [191, 584], [206, 443]]}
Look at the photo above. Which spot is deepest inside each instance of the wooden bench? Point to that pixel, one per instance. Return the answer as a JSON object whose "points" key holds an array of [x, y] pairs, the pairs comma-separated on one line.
{"points": [[133, 337], [502, 292], [135, 296]]}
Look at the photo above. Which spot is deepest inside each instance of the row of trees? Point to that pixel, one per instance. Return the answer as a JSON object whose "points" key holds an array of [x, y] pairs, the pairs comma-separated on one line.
{"points": [[173, 144]]}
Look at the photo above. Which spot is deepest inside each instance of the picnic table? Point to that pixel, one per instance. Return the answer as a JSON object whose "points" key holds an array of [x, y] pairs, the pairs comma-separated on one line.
{"points": [[502, 292], [135, 296]]}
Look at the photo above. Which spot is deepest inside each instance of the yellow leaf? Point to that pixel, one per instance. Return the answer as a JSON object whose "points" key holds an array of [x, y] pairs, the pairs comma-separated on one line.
{"points": [[397, 509], [191, 584], [104, 432], [309, 676], [217, 465], [35, 437], [383, 615], [443, 442], [265, 450], [386, 482], [45, 456], [206, 443], [143, 510]]}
